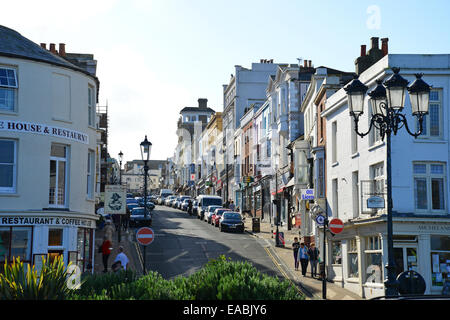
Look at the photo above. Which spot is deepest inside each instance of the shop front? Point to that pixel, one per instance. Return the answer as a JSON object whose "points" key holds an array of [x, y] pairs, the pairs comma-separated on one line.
{"points": [[358, 255], [37, 235]]}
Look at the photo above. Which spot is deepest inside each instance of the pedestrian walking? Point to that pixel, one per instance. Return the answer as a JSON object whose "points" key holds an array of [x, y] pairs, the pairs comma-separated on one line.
{"points": [[231, 205], [116, 220], [295, 247], [109, 230], [303, 257], [313, 254], [106, 251], [227, 204], [126, 219], [122, 259], [190, 207]]}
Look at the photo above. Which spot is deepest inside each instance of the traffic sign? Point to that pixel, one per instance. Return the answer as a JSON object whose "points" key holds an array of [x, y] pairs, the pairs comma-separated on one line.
{"points": [[320, 219], [145, 236], [336, 226]]}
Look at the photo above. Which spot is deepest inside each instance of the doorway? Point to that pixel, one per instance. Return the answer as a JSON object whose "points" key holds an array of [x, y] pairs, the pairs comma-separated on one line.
{"points": [[405, 258]]}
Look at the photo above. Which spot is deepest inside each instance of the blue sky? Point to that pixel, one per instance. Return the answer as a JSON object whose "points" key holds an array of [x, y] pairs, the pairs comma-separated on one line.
{"points": [[156, 57]]}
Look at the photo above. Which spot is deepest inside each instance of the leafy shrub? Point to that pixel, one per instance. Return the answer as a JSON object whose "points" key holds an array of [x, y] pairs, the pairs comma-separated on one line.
{"points": [[18, 284], [219, 279]]}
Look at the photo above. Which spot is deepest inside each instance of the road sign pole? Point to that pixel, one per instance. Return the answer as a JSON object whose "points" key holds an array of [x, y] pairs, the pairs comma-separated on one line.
{"points": [[324, 275], [144, 261]]}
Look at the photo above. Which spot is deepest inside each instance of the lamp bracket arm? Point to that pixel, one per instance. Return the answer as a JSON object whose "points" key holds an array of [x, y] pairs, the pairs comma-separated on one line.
{"points": [[405, 122], [356, 119]]}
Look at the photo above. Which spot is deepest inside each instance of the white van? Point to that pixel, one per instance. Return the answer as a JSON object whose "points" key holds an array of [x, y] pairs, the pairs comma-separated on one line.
{"points": [[204, 201]]}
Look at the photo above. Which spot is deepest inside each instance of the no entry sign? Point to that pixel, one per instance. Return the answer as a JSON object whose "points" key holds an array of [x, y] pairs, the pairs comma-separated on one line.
{"points": [[145, 236], [336, 226]]}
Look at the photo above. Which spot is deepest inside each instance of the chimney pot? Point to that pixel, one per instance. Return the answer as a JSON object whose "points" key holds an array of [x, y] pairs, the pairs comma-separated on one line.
{"points": [[202, 103], [374, 42], [384, 46], [305, 63], [44, 45], [52, 48], [62, 49], [271, 60], [261, 60], [309, 63], [363, 50]]}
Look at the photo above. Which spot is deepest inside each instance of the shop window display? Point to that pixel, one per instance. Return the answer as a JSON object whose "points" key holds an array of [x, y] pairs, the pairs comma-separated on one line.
{"points": [[440, 260], [15, 242], [353, 271], [336, 251]]}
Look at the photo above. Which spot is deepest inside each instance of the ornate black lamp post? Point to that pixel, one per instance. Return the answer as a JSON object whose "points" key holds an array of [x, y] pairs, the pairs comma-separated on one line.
{"points": [[387, 101], [146, 147]]}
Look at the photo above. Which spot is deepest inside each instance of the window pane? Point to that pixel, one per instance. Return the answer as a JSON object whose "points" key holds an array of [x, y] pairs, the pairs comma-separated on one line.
{"points": [[420, 186], [58, 151], [420, 169], [353, 265], [437, 193], [437, 169], [336, 252], [5, 236], [374, 271], [440, 243], [7, 98], [6, 151], [61, 182], [21, 243], [52, 182], [434, 119], [434, 95], [55, 237], [80, 244], [6, 176]]}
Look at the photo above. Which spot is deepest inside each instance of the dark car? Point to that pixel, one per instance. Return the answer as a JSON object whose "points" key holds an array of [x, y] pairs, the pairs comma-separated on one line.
{"points": [[131, 200], [231, 221], [137, 218], [195, 207], [215, 218], [132, 205]]}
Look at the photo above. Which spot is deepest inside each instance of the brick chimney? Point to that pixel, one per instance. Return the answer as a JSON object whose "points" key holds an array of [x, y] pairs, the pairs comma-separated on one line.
{"points": [[43, 45], [52, 48], [305, 63], [202, 103], [365, 61], [384, 46], [62, 49]]}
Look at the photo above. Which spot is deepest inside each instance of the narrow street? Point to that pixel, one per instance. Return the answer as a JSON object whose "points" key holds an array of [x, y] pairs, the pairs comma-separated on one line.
{"points": [[183, 244]]}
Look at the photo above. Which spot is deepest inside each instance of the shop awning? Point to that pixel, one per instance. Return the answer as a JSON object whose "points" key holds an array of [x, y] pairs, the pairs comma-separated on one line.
{"points": [[290, 183]]}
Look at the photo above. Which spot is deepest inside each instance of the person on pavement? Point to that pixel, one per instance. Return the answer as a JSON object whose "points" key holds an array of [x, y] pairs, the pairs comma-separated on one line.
{"points": [[126, 219], [231, 205], [190, 207], [295, 247], [313, 254], [303, 256], [106, 251], [122, 257], [109, 230]]}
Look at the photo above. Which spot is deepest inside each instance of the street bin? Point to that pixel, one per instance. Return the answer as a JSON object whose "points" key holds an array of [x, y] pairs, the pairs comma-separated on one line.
{"points": [[256, 225]]}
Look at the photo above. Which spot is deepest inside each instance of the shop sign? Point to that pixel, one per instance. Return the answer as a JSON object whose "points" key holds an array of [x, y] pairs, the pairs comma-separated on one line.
{"points": [[51, 221], [115, 199], [37, 128], [375, 202], [307, 194]]}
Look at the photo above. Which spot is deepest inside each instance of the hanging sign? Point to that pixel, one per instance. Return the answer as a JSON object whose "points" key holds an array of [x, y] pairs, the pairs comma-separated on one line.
{"points": [[375, 202], [115, 199], [307, 194]]}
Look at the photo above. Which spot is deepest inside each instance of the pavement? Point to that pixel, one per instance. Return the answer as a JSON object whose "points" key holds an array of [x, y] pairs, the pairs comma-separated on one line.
{"points": [[282, 257]]}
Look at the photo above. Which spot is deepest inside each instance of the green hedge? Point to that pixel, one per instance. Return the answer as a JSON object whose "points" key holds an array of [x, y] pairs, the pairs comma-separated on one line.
{"points": [[219, 279]]}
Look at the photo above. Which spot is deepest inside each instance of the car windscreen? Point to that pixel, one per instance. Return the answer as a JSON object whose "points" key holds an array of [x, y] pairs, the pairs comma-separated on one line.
{"points": [[231, 216], [137, 212], [212, 209], [211, 202]]}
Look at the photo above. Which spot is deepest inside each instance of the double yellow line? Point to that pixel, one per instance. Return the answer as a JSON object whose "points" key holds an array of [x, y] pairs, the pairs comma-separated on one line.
{"points": [[283, 272]]}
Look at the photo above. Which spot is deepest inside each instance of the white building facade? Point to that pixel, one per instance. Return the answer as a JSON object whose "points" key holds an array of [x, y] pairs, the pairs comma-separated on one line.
{"points": [[356, 169], [48, 143]]}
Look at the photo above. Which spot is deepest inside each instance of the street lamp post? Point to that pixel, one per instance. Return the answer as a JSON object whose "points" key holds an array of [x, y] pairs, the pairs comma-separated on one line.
{"points": [[120, 182], [387, 101], [146, 147]]}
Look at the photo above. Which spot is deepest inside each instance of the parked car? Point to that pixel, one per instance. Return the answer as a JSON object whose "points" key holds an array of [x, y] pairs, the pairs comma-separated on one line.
{"points": [[168, 200], [182, 200], [184, 205], [132, 205], [209, 212], [217, 215], [131, 200], [204, 201], [231, 221], [137, 218]]}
